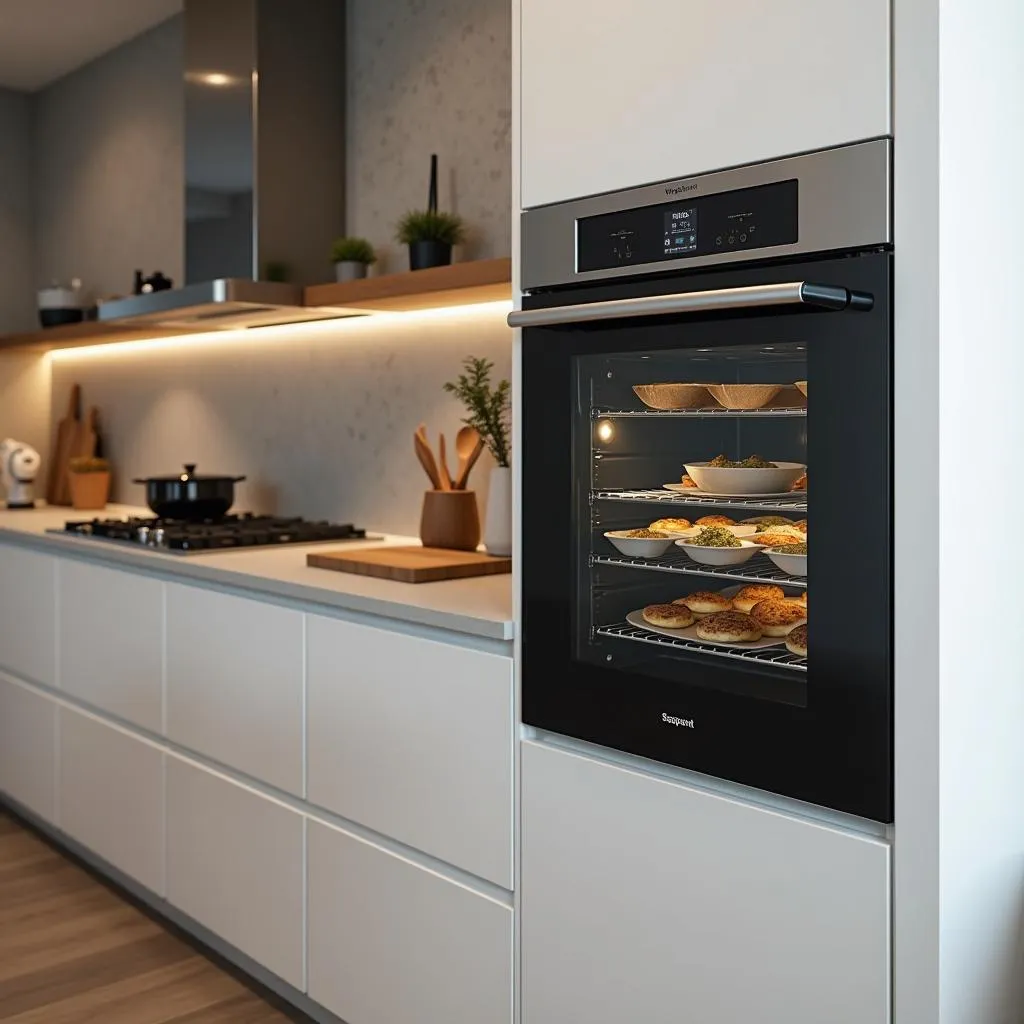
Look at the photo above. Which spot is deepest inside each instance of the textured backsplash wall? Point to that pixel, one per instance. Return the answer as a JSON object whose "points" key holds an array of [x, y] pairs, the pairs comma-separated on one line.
{"points": [[429, 76], [319, 417]]}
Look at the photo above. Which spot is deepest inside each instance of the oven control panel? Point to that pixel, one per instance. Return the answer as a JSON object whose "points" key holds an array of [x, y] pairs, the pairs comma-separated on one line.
{"points": [[749, 218]]}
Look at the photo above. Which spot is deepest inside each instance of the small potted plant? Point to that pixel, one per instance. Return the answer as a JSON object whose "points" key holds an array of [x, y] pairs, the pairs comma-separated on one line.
{"points": [[90, 482], [430, 235], [351, 257], [489, 411]]}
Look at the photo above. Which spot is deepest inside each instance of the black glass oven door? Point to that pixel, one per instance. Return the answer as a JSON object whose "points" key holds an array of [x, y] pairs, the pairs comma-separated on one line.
{"points": [[706, 458]]}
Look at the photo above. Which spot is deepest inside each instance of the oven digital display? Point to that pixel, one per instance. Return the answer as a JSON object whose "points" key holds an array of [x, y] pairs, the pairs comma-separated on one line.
{"points": [[680, 231]]}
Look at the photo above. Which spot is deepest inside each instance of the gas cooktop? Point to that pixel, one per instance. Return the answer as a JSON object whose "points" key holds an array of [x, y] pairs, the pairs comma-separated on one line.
{"points": [[182, 537]]}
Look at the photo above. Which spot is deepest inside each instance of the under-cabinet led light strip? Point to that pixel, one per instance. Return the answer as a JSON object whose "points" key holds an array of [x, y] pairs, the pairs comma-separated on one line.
{"points": [[285, 333]]}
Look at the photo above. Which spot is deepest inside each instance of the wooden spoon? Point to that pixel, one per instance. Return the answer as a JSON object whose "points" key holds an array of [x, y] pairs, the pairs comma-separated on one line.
{"points": [[426, 457], [468, 444], [446, 477]]}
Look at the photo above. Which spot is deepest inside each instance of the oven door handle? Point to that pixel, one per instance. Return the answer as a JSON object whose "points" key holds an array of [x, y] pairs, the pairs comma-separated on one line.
{"points": [[760, 296]]}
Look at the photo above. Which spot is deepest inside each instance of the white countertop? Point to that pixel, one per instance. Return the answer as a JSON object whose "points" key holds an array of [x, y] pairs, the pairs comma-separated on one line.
{"points": [[481, 606]]}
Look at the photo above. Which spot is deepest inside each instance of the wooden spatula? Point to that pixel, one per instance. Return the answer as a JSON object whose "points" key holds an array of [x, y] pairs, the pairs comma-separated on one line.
{"points": [[469, 445], [426, 456], [442, 457], [57, 487]]}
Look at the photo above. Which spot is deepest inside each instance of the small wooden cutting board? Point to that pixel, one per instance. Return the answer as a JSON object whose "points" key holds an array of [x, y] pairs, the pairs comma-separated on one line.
{"points": [[411, 564]]}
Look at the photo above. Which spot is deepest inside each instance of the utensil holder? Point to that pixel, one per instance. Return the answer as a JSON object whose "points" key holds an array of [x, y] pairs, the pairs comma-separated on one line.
{"points": [[450, 520], [89, 490]]}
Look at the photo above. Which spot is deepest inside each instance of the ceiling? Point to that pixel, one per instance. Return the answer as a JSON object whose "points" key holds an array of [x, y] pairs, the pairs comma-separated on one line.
{"points": [[42, 40]]}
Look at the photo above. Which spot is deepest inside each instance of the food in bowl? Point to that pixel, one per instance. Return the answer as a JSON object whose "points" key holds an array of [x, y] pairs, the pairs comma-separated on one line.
{"points": [[639, 543], [778, 618], [670, 525], [760, 521], [733, 552], [750, 462], [715, 521], [668, 616], [737, 481], [687, 482], [705, 602], [801, 525], [716, 537], [789, 549]]}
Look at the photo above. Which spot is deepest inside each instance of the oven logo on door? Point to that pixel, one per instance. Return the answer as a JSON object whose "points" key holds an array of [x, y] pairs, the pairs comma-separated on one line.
{"points": [[677, 190], [673, 720]]}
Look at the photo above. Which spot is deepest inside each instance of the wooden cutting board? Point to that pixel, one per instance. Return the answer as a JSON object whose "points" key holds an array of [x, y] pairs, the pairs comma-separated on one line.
{"points": [[411, 564], [57, 486]]}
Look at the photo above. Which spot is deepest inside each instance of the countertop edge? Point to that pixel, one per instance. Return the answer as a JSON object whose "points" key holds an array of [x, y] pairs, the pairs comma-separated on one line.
{"points": [[184, 568]]}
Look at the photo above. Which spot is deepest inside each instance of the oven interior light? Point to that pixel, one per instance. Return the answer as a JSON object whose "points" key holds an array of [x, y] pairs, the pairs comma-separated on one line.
{"points": [[605, 431]]}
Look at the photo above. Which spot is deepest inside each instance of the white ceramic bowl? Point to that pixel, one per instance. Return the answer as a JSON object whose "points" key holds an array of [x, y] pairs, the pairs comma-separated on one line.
{"points": [[720, 556], [716, 480], [638, 547], [742, 530], [795, 565]]}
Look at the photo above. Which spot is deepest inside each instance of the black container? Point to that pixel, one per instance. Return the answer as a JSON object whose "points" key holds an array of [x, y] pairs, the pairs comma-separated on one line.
{"points": [[188, 496], [429, 253], [54, 317]]}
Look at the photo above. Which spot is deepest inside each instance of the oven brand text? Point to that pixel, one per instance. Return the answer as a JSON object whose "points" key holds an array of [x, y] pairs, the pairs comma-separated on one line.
{"points": [[673, 720], [675, 190]]}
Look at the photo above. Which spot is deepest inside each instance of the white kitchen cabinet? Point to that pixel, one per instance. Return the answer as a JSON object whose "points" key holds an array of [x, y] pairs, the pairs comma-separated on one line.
{"points": [[235, 863], [413, 738], [28, 731], [235, 682], [111, 640], [621, 94], [390, 942], [644, 900], [28, 605], [111, 793]]}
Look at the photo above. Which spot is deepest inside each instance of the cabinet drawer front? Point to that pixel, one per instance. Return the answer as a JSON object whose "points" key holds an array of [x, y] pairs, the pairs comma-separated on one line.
{"points": [[112, 796], [413, 738], [235, 865], [234, 683], [28, 731], [670, 897], [111, 641], [28, 606], [390, 942]]}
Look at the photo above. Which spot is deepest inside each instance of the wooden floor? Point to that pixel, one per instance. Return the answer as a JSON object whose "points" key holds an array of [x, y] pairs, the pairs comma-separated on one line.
{"points": [[72, 951]]}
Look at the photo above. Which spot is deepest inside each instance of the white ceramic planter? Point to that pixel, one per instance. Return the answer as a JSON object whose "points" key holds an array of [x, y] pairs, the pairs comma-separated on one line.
{"points": [[349, 270], [498, 521]]}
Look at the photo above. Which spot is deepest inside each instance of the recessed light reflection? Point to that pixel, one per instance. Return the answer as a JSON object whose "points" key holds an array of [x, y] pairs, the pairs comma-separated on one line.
{"points": [[605, 431]]}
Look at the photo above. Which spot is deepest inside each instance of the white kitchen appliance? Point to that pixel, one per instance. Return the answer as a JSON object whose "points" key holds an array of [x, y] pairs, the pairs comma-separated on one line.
{"points": [[19, 464]]}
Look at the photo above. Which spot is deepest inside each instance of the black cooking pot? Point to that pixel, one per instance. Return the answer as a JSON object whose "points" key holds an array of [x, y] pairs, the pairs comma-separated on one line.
{"points": [[188, 496]]}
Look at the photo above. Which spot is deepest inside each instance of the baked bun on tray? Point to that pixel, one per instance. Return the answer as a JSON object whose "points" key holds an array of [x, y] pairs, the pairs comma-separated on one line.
{"points": [[668, 616], [729, 628]]}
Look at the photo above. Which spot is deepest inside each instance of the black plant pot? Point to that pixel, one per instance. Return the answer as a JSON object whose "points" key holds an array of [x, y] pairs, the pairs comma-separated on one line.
{"points": [[429, 253]]}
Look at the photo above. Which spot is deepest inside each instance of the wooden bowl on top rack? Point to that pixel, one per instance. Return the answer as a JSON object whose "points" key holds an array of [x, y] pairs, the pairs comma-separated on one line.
{"points": [[744, 396], [669, 397]]}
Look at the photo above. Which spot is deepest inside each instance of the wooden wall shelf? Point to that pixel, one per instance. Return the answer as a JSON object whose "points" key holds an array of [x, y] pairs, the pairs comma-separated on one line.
{"points": [[89, 332], [455, 285]]}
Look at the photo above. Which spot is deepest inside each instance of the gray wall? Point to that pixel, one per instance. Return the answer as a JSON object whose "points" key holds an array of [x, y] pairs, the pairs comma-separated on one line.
{"points": [[108, 149], [17, 282], [429, 77]]}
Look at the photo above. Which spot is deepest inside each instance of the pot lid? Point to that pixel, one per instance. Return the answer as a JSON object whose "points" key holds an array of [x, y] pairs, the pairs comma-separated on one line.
{"points": [[188, 475]]}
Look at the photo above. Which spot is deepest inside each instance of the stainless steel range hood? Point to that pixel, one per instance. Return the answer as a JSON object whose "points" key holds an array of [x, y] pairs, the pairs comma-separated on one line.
{"points": [[264, 92]]}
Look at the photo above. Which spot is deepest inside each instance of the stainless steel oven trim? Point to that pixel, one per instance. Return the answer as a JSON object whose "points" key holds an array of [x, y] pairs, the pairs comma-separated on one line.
{"points": [[845, 202], [789, 293]]}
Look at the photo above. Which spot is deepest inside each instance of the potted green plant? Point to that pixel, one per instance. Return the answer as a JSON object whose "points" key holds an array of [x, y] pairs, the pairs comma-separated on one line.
{"points": [[430, 235], [489, 413], [351, 256], [90, 482]]}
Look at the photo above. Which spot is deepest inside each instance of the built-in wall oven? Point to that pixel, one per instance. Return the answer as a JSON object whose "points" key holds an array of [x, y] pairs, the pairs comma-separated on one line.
{"points": [[706, 442]]}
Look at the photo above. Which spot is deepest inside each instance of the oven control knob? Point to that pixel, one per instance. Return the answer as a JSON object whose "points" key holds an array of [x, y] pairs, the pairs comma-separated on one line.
{"points": [[743, 238], [732, 239], [718, 240]]}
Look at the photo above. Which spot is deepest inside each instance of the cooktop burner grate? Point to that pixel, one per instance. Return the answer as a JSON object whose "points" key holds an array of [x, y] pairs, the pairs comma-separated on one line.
{"points": [[233, 531]]}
